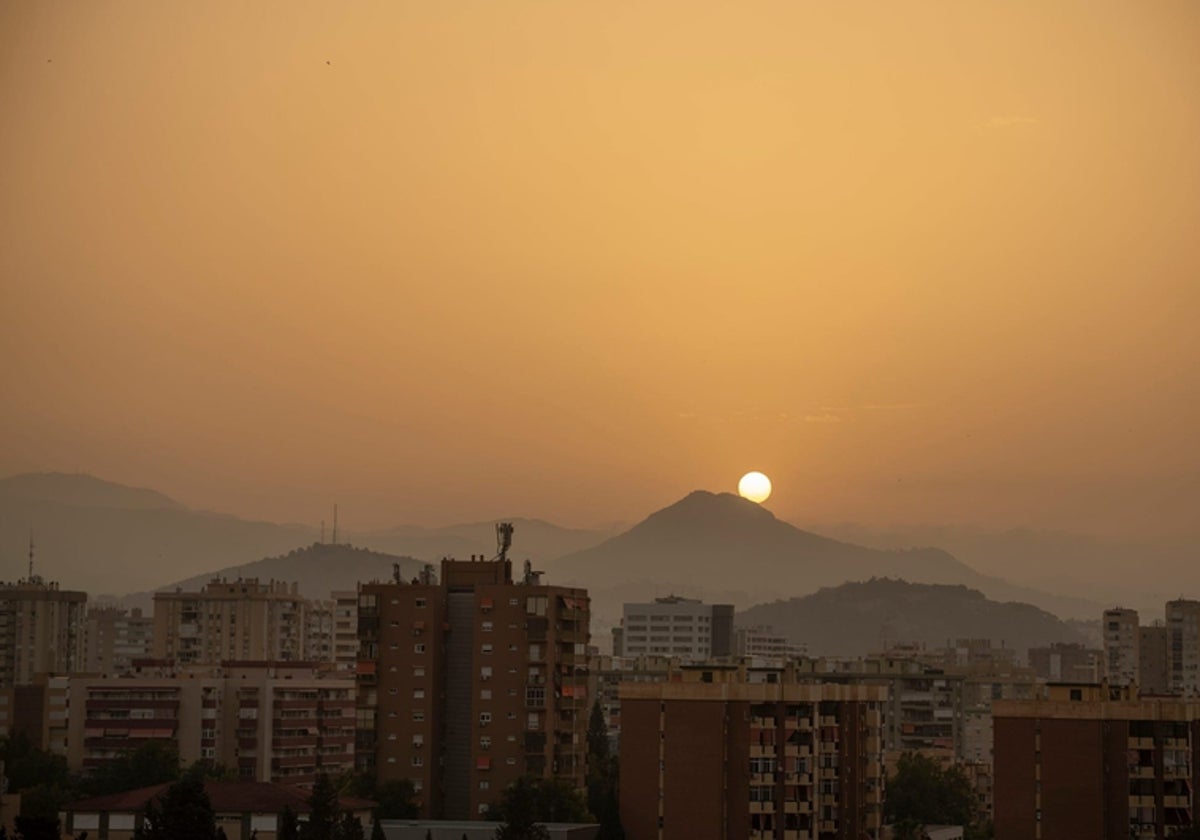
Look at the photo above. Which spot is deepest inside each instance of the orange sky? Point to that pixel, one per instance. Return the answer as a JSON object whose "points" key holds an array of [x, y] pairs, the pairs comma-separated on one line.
{"points": [[930, 262]]}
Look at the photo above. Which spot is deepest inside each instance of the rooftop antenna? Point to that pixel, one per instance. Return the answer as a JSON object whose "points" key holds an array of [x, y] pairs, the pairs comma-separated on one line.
{"points": [[335, 524], [504, 532], [322, 532], [31, 555]]}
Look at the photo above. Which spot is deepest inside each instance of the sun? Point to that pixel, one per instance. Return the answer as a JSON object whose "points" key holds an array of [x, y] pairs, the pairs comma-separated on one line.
{"points": [[755, 486]]}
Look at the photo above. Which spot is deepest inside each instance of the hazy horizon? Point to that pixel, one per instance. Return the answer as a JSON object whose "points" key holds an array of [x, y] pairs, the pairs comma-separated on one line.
{"points": [[920, 264]]}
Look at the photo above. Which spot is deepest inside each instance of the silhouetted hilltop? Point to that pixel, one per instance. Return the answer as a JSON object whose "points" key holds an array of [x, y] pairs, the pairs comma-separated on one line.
{"points": [[721, 541], [858, 618], [80, 490]]}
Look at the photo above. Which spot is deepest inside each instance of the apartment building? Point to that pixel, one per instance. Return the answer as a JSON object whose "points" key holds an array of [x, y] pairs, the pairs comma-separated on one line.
{"points": [[606, 674], [230, 620], [41, 630], [1154, 659], [1183, 632], [1121, 646], [1069, 662], [716, 756], [1097, 762], [763, 642], [113, 638], [468, 683], [273, 722], [680, 627]]}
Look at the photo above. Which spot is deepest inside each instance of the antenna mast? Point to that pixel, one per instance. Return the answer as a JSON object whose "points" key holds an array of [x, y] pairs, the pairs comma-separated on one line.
{"points": [[335, 524], [31, 555]]}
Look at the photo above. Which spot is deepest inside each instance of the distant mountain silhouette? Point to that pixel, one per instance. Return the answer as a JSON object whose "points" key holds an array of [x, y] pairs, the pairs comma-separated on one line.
{"points": [[721, 546], [107, 538], [533, 539], [863, 617], [319, 569]]}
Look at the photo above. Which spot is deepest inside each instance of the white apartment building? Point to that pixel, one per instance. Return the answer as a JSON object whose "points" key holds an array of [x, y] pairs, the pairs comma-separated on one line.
{"points": [[677, 627]]}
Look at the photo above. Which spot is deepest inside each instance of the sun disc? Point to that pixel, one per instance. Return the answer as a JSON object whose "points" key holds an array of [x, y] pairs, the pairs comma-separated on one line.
{"points": [[755, 486]]}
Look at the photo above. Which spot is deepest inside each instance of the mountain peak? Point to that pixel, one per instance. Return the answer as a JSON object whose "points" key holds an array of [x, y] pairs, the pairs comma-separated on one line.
{"points": [[706, 510]]}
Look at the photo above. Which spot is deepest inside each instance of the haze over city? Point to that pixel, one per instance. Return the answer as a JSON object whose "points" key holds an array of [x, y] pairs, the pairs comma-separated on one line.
{"points": [[918, 263]]}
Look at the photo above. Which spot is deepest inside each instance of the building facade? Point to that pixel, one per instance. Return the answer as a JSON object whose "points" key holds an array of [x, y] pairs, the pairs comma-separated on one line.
{"points": [[468, 683], [677, 627], [41, 630], [717, 757], [1121, 646], [273, 722], [231, 620], [1097, 762], [1183, 633], [113, 638]]}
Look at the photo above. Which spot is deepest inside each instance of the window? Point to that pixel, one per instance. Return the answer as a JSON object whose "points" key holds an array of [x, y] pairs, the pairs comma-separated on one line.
{"points": [[487, 627], [418, 694], [485, 673], [485, 718], [514, 602], [418, 740], [419, 671], [419, 648], [420, 602], [1076, 693], [418, 761], [486, 649], [484, 784], [485, 742], [418, 715], [485, 694]]}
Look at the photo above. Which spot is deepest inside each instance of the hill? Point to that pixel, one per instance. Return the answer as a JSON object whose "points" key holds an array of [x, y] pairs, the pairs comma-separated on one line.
{"points": [[858, 618], [722, 547], [533, 539], [319, 569]]}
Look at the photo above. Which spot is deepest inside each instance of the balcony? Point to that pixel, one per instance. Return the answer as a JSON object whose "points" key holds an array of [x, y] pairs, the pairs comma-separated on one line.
{"points": [[762, 807], [797, 807], [762, 750], [1141, 743]]}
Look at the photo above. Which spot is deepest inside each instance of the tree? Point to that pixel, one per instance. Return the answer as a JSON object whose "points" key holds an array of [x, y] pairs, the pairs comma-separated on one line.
{"points": [[518, 812], [322, 819], [26, 766], [289, 826], [153, 763], [37, 828], [602, 778], [922, 792], [183, 812], [396, 800], [349, 828], [377, 831]]}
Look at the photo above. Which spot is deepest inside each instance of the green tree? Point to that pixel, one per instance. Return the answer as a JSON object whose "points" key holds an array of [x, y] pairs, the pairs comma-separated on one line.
{"points": [[322, 819], [519, 811], [289, 826], [153, 763], [377, 831], [348, 827], [396, 800], [922, 792], [183, 812], [602, 778], [26, 766]]}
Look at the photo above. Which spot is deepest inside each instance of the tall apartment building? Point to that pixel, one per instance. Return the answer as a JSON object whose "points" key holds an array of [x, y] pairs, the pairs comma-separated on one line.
{"points": [[241, 620], [274, 722], [715, 756], [345, 629], [1121, 646], [679, 627], [1068, 662], [1096, 762], [606, 674], [1154, 659], [41, 630], [113, 638], [467, 684], [1183, 630]]}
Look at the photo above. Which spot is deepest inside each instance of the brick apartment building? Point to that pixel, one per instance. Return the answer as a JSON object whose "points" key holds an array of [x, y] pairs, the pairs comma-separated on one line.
{"points": [[41, 630], [468, 683], [715, 757], [1095, 762]]}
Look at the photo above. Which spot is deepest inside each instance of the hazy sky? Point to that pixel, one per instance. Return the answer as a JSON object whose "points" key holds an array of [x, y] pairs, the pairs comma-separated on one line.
{"points": [[436, 261]]}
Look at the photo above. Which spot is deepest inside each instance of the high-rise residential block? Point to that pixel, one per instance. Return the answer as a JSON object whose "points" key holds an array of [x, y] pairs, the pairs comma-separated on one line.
{"points": [[716, 756], [41, 630], [1154, 659], [230, 620], [1096, 762], [468, 683], [279, 722], [1067, 662], [1121, 646], [1183, 629], [678, 627], [113, 638]]}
